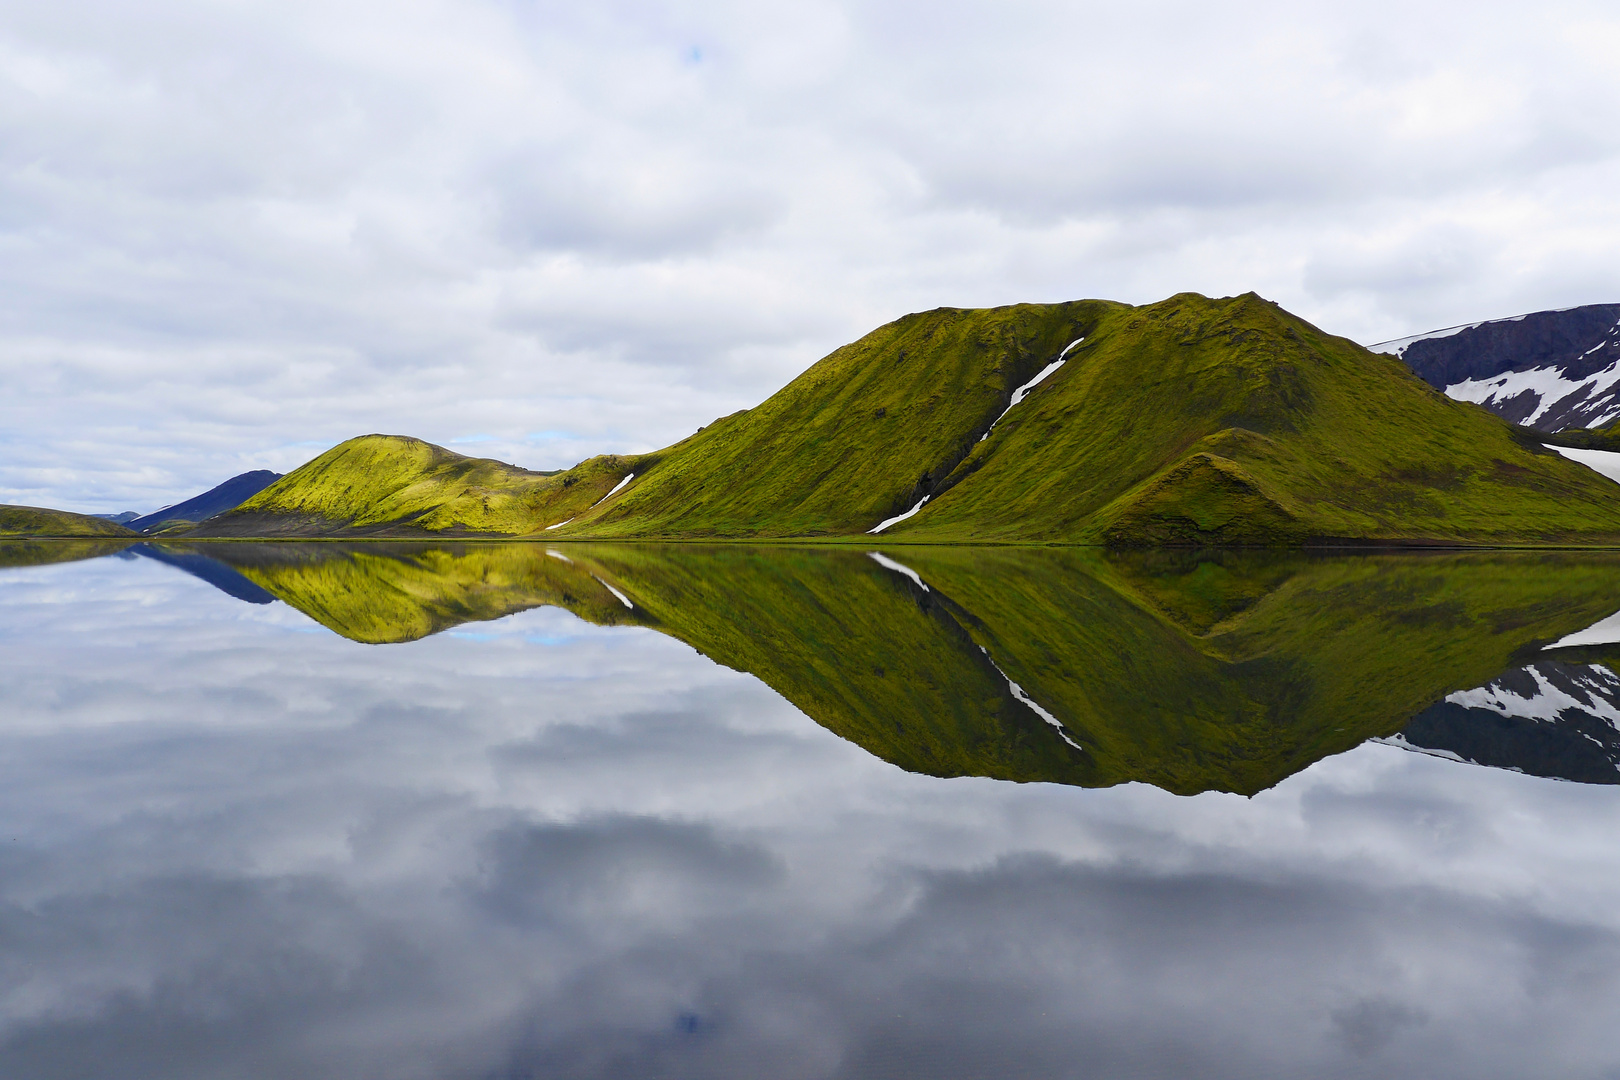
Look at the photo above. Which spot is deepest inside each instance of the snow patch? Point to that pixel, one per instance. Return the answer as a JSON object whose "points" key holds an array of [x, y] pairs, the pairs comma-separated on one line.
{"points": [[1399, 740], [880, 526], [1022, 391], [889, 564], [612, 493], [1604, 462], [1548, 384], [623, 599], [559, 525]]}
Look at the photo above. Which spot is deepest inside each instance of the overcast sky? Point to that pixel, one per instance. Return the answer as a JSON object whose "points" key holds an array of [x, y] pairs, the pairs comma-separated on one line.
{"points": [[235, 233]]}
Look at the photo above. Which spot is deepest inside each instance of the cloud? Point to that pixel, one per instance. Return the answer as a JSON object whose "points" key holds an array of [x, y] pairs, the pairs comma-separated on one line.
{"points": [[228, 233]]}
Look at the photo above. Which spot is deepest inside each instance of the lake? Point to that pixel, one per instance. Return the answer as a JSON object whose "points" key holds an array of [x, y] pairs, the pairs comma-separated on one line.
{"points": [[497, 811]]}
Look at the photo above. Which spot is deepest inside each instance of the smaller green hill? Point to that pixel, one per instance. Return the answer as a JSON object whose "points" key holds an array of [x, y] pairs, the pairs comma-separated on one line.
{"points": [[36, 521], [395, 486]]}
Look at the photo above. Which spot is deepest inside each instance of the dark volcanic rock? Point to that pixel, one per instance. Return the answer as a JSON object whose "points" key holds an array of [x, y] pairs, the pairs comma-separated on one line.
{"points": [[227, 496], [1550, 369]]}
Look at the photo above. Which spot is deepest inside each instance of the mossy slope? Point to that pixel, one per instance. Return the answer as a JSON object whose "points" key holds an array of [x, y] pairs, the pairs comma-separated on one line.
{"points": [[1199, 421], [392, 485], [35, 521]]}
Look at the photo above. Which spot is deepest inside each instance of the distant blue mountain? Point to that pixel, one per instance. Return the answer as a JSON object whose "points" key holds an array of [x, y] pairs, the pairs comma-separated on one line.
{"points": [[227, 496], [123, 519]]}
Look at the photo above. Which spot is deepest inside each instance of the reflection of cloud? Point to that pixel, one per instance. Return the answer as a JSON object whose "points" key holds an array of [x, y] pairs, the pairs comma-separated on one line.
{"points": [[232, 849]]}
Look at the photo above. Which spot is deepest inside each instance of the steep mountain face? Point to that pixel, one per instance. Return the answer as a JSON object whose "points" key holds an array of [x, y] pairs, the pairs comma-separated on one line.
{"points": [[1549, 370], [215, 500], [1199, 421], [1188, 422], [36, 521]]}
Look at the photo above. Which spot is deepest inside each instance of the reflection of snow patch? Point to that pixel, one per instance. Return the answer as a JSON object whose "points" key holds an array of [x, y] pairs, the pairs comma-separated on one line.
{"points": [[880, 526], [560, 555], [623, 599], [612, 493], [1603, 462], [1602, 632], [1018, 692], [888, 563], [559, 525], [1399, 740], [1548, 702]]}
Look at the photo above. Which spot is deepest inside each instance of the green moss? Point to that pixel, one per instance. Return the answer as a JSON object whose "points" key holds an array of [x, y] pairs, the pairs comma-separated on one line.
{"points": [[34, 521], [390, 485]]}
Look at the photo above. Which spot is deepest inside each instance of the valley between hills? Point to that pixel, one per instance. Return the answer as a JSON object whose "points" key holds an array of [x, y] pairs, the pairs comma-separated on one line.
{"points": [[1192, 422]]}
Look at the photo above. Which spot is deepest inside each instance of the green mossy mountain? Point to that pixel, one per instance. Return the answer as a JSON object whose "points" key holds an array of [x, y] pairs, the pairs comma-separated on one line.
{"points": [[1224, 671], [1190, 422], [391, 485], [35, 521]]}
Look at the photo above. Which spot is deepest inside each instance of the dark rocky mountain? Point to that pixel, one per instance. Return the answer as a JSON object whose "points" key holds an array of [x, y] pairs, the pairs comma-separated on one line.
{"points": [[1548, 370], [227, 496], [1550, 718]]}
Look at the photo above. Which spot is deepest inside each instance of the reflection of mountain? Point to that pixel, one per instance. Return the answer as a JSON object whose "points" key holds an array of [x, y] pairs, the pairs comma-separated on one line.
{"points": [[16, 553], [1189, 672], [1550, 718], [216, 573]]}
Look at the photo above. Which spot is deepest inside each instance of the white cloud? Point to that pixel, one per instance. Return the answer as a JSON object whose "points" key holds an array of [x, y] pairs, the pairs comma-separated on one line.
{"points": [[232, 234]]}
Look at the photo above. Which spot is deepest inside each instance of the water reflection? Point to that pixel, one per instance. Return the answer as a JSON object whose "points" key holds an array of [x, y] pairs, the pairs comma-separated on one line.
{"points": [[552, 846], [1190, 671]]}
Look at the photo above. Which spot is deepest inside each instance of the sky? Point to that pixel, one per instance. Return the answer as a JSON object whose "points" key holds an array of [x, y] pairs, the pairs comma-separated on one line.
{"points": [[233, 234]]}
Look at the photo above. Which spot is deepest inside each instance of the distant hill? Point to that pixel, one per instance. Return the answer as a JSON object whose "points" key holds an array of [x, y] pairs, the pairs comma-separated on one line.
{"points": [[1548, 370], [35, 521], [123, 519], [1187, 422], [215, 500]]}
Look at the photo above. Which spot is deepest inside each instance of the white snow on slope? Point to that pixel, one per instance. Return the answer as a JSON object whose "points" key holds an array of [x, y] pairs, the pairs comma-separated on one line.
{"points": [[610, 494], [1547, 383], [559, 525], [1606, 462], [1602, 632], [1020, 393], [1018, 692], [889, 564], [884, 524], [623, 599], [1548, 701], [1398, 346]]}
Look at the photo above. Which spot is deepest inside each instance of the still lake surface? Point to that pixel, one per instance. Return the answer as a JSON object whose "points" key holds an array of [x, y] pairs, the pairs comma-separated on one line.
{"points": [[504, 810]]}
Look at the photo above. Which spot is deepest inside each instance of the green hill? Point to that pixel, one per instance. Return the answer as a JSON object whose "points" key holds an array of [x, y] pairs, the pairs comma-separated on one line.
{"points": [[1188, 422], [1225, 670], [391, 485], [34, 521]]}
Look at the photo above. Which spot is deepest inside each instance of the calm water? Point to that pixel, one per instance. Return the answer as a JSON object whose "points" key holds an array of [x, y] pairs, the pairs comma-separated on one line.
{"points": [[494, 811]]}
